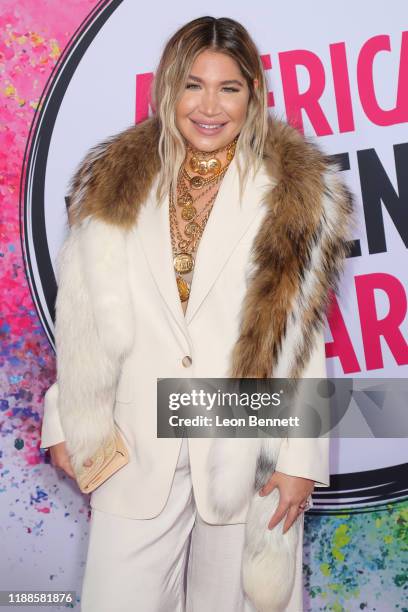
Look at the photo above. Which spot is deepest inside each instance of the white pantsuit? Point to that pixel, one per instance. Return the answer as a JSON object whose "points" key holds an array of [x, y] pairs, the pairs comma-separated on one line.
{"points": [[142, 516]]}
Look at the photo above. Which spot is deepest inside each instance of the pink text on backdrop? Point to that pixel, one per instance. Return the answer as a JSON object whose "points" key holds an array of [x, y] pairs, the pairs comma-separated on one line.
{"points": [[308, 102], [372, 327]]}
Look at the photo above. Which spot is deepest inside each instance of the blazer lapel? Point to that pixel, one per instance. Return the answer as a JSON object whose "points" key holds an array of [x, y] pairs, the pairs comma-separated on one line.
{"points": [[153, 229]]}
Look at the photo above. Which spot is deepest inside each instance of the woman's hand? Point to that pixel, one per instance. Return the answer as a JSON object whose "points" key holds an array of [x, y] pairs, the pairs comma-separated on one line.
{"points": [[293, 491], [60, 459]]}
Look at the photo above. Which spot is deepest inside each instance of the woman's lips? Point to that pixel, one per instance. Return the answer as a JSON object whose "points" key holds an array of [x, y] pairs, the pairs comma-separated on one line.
{"points": [[209, 129]]}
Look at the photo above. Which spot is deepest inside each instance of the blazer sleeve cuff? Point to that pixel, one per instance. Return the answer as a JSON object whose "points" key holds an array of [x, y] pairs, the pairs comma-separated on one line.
{"points": [[51, 431], [307, 458]]}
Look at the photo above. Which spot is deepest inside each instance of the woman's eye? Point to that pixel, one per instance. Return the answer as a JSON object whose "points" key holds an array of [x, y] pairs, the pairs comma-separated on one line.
{"points": [[196, 85]]}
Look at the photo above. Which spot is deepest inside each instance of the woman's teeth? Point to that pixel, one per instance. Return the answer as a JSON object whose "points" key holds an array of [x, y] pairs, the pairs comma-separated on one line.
{"points": [[210, 127]]}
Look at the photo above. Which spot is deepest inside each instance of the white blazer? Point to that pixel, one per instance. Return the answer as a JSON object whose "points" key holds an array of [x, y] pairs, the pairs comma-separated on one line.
{"points": [[206, 333]]}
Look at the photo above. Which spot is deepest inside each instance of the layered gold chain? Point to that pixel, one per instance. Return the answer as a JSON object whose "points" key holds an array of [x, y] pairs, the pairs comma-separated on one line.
{"points": [[184, 242]]}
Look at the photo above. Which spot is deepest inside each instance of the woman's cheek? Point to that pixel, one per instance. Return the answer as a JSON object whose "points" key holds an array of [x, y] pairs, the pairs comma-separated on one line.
{"points": [[237, 108]]}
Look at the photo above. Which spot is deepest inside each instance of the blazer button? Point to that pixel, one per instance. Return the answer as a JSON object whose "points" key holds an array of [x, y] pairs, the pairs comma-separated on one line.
{"points": [[187, 361]]}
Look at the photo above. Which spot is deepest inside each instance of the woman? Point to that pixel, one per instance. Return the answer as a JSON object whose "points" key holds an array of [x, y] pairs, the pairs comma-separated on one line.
{"points": [[211, 187]]}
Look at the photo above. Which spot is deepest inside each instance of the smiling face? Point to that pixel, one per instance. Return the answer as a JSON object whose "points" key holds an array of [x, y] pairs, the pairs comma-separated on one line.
{"points": [[213, 107]]}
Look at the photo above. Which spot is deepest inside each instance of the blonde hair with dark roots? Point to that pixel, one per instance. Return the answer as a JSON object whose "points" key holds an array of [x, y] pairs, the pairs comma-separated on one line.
{"points": [[225, 36]]}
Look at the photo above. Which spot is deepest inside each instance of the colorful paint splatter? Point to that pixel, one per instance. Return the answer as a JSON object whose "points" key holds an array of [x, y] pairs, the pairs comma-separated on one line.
{"points": [[358, 561], [34, 499], [354, 562]]}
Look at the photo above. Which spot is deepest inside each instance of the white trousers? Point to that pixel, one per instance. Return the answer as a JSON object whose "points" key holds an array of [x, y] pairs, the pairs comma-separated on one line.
{"points": [[174, 562]]}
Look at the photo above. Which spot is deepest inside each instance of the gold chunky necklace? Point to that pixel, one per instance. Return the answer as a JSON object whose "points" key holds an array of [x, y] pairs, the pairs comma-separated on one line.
{"points": [[211, 166], [184, 242], [203, 162]]}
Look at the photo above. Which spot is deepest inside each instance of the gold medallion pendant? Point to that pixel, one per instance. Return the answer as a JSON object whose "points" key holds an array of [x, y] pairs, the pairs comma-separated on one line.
{"points": [[196, 182], [199, 165], [195, 165], [183, 288], [183, 263], [183, 244], [191, 229], [188, 213], [185, 199], [214, 165], [203, 166]]}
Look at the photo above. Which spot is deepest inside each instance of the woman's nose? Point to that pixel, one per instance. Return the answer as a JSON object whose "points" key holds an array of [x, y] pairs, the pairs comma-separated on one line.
{"points": [[209, 103]]}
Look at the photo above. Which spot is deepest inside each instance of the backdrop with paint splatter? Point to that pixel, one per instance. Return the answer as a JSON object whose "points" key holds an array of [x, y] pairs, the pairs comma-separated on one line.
{"points": [[41, 512]]}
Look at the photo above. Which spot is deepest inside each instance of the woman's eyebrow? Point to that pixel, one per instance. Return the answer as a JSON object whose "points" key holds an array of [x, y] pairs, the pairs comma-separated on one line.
{"points": [[228, 82]]}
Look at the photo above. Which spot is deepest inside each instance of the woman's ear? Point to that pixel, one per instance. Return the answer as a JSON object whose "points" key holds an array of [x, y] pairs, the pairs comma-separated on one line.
{"points": [[256, 83]]}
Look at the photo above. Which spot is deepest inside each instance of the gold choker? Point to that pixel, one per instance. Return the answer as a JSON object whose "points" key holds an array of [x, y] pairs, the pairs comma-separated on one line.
{"points": [[206, 163]]}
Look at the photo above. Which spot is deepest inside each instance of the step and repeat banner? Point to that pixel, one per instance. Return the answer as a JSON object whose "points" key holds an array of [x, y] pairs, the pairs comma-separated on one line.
{"points": [[77, 73]]}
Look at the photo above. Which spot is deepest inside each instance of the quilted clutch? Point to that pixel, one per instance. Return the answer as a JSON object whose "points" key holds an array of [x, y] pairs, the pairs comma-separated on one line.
{"points": [[105, 462]]}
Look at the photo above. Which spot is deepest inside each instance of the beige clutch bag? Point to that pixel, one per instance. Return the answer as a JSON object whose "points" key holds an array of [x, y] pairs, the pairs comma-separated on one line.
{"points": [[105, 462]]}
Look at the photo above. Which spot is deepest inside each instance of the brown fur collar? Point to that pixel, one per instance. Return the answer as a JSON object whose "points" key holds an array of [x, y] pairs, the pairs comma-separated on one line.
{"points": [[298, 253]]}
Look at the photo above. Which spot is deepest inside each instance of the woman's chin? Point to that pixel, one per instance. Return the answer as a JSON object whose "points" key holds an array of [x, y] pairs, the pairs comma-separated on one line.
{"points": [[209, 142]]}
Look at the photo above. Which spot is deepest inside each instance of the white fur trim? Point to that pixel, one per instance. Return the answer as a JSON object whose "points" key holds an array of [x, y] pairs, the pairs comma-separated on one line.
{"points": [[93, 332]]}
